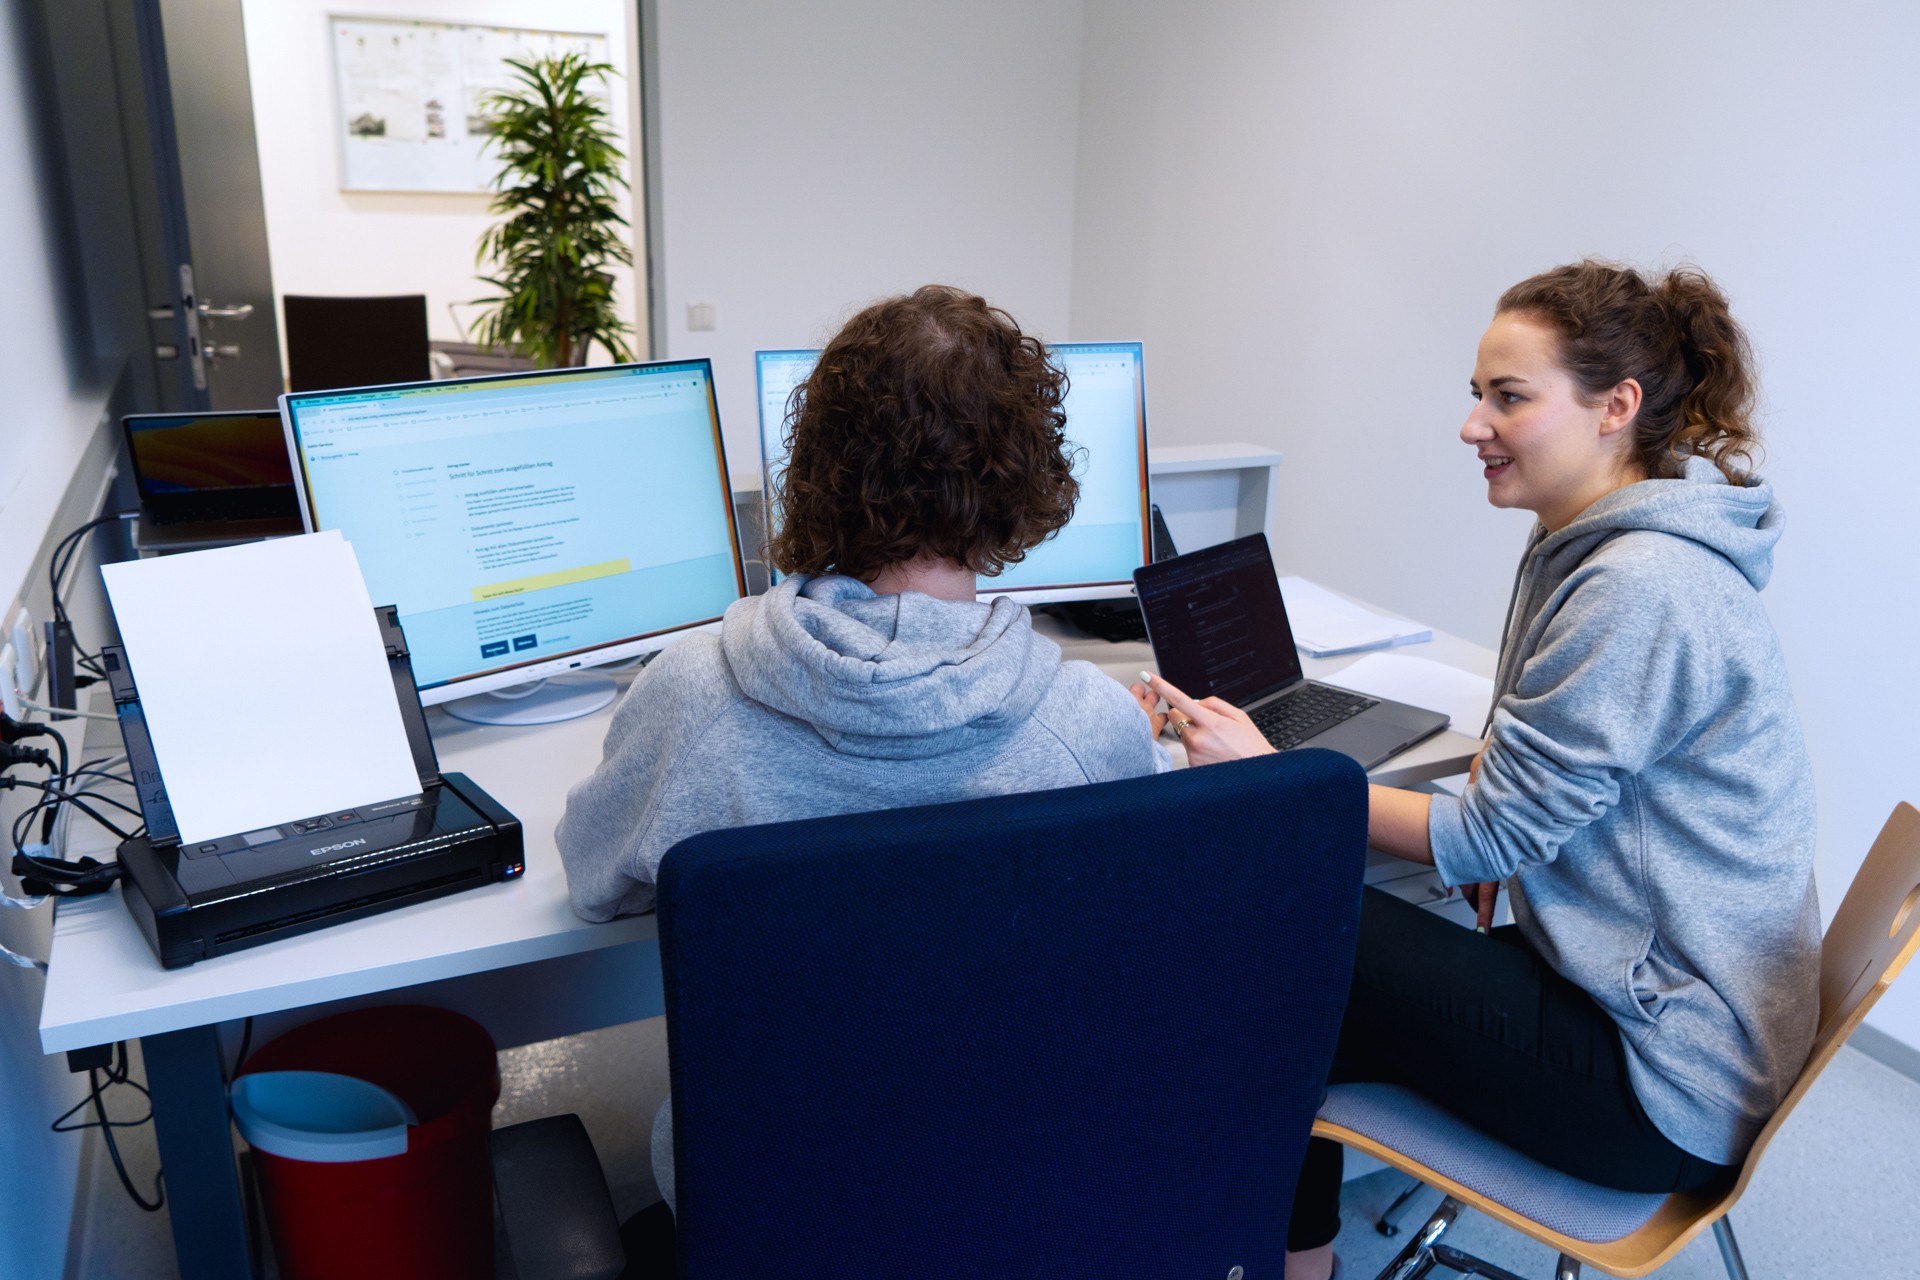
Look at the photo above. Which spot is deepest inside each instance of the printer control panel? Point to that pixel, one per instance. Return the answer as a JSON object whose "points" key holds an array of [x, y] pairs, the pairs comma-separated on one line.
{"points": [[304, 826]]}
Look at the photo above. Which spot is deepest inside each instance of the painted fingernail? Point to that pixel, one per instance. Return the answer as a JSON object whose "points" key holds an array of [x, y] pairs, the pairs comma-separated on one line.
{"points": [[1147, 677]]}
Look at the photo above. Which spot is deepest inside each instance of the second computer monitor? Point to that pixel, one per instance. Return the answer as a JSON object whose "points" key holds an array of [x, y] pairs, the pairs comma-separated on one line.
{"points": [[1092, 558]]}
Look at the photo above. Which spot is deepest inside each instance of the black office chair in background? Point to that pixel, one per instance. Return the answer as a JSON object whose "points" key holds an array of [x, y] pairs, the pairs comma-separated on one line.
{"points": [[355, 342], [1067, 1033]]}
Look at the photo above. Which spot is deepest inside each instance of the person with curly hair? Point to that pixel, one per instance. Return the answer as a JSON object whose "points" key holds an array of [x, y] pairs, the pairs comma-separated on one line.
{"points": [[927, 451]]}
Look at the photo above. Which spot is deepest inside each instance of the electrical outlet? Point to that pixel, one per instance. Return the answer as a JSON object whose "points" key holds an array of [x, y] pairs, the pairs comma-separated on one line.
{"points": [[25, 668], [8, 698], [701, 317]]}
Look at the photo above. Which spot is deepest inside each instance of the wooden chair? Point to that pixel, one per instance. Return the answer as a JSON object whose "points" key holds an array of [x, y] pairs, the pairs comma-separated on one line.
{"points": [[1874, 934]]}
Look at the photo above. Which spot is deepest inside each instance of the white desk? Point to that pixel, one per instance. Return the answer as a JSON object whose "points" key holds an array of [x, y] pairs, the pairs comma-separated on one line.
{"points": [[513, 955]]}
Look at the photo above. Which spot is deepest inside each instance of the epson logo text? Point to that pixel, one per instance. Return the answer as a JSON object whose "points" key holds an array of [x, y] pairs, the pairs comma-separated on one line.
{"points": [[335, 848]]}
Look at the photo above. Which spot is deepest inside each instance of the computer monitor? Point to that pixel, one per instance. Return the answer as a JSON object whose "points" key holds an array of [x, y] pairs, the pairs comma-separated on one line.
{"points": [[1094, 557], [527, 525]]}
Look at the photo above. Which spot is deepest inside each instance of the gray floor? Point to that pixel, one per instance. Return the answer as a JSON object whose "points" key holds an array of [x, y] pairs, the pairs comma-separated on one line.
{"points": [[1836, 1195]]}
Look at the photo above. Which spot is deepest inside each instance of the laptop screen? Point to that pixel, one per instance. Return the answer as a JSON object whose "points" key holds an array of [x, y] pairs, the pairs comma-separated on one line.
{"points": [[1217, 624], [212, 466]]}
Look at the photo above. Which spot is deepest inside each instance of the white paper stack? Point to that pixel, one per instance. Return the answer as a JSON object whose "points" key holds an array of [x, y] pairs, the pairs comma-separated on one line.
{"points": [[1421, 682], [1326, 625], [264, 682]]}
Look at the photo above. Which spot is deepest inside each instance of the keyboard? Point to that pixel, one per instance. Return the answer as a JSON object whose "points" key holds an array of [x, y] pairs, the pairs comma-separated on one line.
{"points": [[1291, 720]]}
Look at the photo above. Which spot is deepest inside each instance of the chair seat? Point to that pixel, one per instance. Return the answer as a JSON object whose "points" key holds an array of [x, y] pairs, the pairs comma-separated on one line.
{"points": [[1403, 1120]]}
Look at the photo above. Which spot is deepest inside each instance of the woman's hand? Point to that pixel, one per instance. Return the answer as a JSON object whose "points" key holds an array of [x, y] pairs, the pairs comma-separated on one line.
{"points": [[1212, 730], [1485, 898], [1149, 703]]}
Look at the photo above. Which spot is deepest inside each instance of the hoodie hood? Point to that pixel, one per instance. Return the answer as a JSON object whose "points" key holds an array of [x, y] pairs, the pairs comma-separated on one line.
{"points": [[896, 677], [1742, 523]]}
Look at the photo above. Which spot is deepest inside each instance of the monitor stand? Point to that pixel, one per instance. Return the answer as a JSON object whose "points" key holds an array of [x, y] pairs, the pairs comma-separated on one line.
{"points": [[567, 697]]}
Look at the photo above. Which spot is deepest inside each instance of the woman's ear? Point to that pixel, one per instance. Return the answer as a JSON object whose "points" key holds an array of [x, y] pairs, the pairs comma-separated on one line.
{"points": [[1622, 407]]}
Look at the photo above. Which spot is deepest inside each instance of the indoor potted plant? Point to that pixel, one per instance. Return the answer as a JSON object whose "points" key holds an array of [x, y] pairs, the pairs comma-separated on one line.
{"points": [[552, 256]]}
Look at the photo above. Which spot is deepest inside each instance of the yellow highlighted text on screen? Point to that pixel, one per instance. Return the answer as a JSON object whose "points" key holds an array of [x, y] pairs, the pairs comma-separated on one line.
{"points": [[558, 578]]}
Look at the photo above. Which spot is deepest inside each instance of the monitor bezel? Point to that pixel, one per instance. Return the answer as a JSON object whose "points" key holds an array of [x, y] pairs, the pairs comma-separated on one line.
{"points": [[1043, 594], [615, 651]]}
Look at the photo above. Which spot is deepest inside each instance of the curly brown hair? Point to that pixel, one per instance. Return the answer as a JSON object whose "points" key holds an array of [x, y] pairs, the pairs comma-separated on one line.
{"points": [[930, 425], [1676, 337]]}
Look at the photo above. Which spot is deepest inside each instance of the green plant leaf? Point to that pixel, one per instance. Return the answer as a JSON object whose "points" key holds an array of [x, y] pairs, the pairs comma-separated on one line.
{"points": [[550, 256]]}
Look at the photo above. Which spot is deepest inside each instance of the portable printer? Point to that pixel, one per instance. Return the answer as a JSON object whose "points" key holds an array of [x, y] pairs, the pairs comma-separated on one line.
{"points": [[312, 870]]}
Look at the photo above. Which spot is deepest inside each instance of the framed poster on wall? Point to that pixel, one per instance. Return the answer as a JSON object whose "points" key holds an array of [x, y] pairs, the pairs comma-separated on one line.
{"points": [[409, 97]]}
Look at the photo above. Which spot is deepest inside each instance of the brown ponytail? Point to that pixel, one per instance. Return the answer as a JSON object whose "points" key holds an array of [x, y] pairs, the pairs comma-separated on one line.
{"points": [[1676, 338]]}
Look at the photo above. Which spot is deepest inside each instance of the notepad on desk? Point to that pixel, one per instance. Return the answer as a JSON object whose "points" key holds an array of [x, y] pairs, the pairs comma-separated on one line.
{"points": [[1326, 625]]}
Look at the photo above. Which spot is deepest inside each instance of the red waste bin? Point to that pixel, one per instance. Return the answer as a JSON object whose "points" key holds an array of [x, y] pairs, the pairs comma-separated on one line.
{"points": [[419, 1216]]}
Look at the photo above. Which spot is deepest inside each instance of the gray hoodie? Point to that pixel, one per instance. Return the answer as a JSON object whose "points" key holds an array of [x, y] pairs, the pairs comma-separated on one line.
{"points": [[1646, 794], [822, 698]]}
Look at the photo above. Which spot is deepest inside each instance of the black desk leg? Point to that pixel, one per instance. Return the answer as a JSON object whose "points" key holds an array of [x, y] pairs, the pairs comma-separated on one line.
{"points": [[196, 1151]]}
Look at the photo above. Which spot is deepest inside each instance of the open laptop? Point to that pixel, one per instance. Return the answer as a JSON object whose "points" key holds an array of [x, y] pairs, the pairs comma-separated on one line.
{"points": [[1219, 629], [211, 478]]}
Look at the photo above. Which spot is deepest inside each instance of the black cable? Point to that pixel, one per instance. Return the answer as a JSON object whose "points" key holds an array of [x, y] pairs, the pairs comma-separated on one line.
{"points": [[47, 876], [12, 731], [42, 875], [58, 564], [246, 1039], [55, 789], [118, 1073], [119, 1167], [64, 552], [101, 773], [72, 799]]}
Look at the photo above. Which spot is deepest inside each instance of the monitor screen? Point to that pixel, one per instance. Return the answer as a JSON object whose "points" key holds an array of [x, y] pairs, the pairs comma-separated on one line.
{"points": [[526, 524], [213, 466], [1095, 555]]}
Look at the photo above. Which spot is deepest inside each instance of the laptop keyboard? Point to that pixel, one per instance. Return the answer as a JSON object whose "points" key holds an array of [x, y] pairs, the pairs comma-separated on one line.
{"points": [[1291, 720]]}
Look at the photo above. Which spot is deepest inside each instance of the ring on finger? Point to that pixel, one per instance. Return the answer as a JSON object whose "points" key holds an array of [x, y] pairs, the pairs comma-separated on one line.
{"points": [[1180, 724]]}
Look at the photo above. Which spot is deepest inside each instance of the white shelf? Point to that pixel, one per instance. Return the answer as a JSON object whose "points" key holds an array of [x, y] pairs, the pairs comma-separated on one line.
{"points": [[1174, 459], [1212, 493]]}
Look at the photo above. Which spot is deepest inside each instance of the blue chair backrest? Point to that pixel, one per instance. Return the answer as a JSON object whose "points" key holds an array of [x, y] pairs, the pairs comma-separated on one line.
{"points": [[1058, 1034]]}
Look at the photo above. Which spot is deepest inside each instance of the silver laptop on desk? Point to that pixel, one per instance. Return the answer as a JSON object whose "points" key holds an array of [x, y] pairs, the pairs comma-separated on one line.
{"points": [[1219, 629]]}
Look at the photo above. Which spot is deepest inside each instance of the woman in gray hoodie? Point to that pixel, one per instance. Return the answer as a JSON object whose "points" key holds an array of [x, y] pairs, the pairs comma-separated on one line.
{"points": [[1644, 793], [927, 447]]}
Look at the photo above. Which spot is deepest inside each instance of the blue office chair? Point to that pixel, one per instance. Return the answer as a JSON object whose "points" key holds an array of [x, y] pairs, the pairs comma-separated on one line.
{"points": [[1066, 1033]]}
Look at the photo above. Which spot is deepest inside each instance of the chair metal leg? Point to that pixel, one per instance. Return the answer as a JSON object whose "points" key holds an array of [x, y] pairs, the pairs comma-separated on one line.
{"points": [[1465, 1264], [1567, 1268], [1729, 1249], [1417, 1258], [1387, 1226]]}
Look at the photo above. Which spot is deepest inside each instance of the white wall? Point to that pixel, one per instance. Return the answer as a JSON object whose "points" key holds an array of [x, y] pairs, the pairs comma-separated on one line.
{"points": [[46, 429], [327, 241], [1308, 210], [816, 157], [41, 394]]}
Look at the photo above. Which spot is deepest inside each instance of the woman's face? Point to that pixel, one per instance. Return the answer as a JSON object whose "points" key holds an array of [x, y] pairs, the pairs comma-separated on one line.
{"points": [[1542, 449]]}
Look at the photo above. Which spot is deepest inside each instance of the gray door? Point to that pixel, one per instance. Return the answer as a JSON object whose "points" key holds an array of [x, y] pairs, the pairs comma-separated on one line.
{"points": [[225, 335]]}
